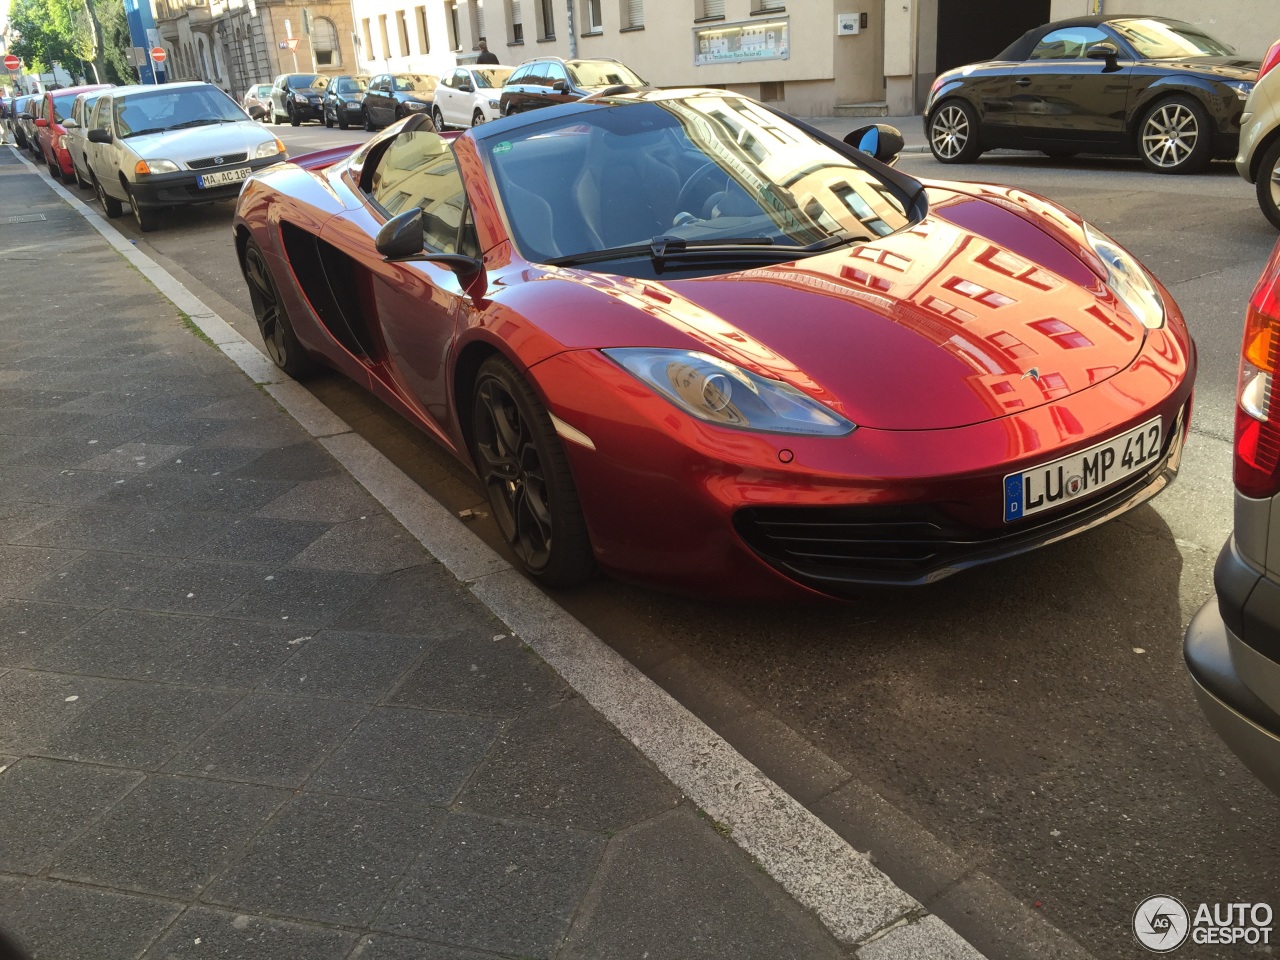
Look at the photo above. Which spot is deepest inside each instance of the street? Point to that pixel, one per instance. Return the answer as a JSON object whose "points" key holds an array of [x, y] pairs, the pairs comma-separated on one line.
{"points": [[1017, 747]]}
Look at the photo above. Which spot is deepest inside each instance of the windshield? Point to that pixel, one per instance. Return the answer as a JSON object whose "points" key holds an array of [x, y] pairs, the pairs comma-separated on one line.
{"points": [[353, 84], [417, 83], [1166, 40], [300, 81], [262, 91], [697, 170], [491, 77], [601, 73], [168, 109], [62, 107]]}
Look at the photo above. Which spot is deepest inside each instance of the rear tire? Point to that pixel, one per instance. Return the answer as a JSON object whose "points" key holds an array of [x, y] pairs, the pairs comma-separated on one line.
{"points": [[953, 133], [368, 121], [1268, 184], [1174, 136], [273, 322], [526, 474], [147, 219]]}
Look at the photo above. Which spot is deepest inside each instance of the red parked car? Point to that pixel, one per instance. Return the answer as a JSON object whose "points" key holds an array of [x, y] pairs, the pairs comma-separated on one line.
{"points": [[49, 110], [698, 343]]}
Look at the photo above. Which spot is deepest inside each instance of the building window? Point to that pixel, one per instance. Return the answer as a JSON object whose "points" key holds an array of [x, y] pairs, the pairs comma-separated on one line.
{"points": [[424, 38], [768, 6], [386, 39], [517, 21], [773, 91], [477, 21], [591, 16], [548, 24], [710, 9], [633, 14], [368, 38], [402, 33], [455, 35], [324, 42]]}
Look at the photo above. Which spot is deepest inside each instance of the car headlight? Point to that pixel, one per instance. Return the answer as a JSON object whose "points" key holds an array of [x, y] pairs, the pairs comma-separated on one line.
{"points": [[1127, 279], [1242, 87], [62, 142], [723, 393], [268, 148], [353, 103], [144, 167], [300, 98], [494, 101], [414, 105]]}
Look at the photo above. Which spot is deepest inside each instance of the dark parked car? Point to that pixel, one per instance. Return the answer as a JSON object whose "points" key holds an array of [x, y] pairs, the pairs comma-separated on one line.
{"points": [[343, 101], [775, 370], [394, 96], [1158, 88], [14, 120], [24, 119], [549, 80], [296, 97], [1233, 643]]}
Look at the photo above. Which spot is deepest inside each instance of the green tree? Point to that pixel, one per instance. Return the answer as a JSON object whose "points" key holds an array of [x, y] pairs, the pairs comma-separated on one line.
{"points": [[61, 31], [113, 67]]}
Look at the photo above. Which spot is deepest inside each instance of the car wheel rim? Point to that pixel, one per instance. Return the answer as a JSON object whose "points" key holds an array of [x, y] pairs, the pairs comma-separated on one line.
{"points": [[512, 471], [266, 306], [1170, 135], [477, 118], [1275, 186], [950, 132]]}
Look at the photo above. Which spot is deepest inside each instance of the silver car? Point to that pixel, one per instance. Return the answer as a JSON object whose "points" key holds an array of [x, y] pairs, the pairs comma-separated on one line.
{"points": [[77, 145], [172, 145], [1259, 158]]}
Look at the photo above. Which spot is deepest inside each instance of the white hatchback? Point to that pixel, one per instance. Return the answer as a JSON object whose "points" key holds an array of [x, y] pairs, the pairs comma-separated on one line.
{"points": [[469, 95], [1259, 158], [172, 145]]}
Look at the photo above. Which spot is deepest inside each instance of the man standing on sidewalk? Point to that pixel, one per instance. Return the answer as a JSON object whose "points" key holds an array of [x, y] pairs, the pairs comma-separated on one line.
{"points": [[485, 55]]}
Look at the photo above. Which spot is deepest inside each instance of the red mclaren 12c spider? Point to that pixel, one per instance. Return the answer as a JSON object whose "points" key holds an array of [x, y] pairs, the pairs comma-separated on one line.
{"points": [[699, 344]]}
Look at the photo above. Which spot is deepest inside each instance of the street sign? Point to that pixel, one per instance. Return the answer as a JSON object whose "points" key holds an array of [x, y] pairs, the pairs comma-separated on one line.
{"points": [[158, 54], [11, 62], [291, 43]]}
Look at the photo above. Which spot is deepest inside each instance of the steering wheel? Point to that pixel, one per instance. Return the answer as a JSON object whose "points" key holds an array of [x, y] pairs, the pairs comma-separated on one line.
{"points": [[704, 172]]}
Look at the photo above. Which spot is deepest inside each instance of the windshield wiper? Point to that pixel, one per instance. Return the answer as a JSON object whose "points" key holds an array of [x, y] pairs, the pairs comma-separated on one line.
{"points": [[830, 243], [143, 133], [663, 248], [202, 122]]}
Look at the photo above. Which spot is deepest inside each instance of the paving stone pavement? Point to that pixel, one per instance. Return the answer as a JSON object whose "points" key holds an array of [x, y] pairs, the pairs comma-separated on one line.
{"points": [[243, 714]]}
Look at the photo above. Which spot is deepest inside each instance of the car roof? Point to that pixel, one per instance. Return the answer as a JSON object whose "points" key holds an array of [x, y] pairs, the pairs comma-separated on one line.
{"points": [[136, 88], [1021, 48]]}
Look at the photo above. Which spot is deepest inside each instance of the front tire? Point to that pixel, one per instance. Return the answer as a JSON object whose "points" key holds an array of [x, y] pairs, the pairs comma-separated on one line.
{"points": [[273, 322], [147, 219], [953, 133], [437, 118], [368, 121], [1268, 184], [526, 474], [293, 116], [1174, 136], [328, 123], [110, 205], [343, 121], [477, 118]]}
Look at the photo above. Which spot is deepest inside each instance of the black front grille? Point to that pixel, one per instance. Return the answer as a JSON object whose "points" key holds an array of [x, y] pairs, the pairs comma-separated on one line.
{"points": [[840, 549], [225, 160]]}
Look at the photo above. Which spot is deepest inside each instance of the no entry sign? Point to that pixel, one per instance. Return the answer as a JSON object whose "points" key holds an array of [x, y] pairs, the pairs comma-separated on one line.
{"points": [[158, 54], [11, 62]]}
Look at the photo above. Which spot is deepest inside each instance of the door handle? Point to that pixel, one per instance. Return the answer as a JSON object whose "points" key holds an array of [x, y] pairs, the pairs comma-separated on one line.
{"points": [[1022, 82]]}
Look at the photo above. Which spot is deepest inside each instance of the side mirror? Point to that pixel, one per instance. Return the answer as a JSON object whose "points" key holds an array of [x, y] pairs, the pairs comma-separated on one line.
{"points": [[1105, 51], [41, 122], [99, 136], [70, 124], [400, 241], [878, 140], [466, 88], [560, 86]]}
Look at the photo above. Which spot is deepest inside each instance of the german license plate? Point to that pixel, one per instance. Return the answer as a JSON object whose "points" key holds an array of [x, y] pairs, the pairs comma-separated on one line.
{"points": [[222, 177], [1080, 474]]}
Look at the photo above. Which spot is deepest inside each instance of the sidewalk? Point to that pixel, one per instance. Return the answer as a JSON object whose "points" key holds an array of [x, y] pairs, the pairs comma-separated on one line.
{"points": [[245, 714]]}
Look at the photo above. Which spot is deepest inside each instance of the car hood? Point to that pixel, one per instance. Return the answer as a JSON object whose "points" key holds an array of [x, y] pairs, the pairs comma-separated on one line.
{"points": [[307, 91], [196, 143], [1222, 68], [937, 326]]}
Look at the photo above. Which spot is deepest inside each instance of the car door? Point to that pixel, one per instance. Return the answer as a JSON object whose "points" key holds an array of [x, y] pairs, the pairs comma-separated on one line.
{"points": [[1060, 95], [524, 87], [453, 99], [551, 94], [375, 100], [416, 304]]}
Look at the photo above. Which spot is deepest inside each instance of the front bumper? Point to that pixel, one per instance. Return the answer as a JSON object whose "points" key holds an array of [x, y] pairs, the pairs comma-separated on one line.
{"points": [[182, 188], [311, 110], [1219, 661]]}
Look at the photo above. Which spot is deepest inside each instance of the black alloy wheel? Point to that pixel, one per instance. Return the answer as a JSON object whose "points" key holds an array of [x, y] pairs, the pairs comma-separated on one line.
{"points": [[344, 119], [293, 115], [953, 133], [368, 120], [526, 474], [273, 322], [1174, 136], [1269, 184], [110, 205], [327, 122]]}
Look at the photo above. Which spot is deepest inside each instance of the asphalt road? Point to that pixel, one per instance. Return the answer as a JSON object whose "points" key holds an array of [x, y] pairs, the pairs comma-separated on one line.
{"points": [[1018, 746]]}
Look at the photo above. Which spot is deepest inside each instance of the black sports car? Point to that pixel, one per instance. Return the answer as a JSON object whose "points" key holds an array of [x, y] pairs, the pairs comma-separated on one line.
{"points": [[1159, 88]]}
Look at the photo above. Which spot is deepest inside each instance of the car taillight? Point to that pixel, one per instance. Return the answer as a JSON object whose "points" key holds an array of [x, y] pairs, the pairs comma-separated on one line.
{"points": [[1270, 60], [1257, 458]]}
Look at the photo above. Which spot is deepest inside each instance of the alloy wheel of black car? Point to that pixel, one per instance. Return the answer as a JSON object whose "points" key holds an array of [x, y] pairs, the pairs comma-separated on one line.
{"points": [[368, 121], [343, 121], [1269, 184], [328, 122], [110, 205], [147, 219], [277, 332], [293, 115], [953, 133], [1174, 136], [526, 475]]}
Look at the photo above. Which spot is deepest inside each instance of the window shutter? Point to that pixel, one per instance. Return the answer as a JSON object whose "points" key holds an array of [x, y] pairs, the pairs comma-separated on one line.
{"points": [[713, 8], [635, 13], [515, 12], [768, 6], [480, 34]]}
